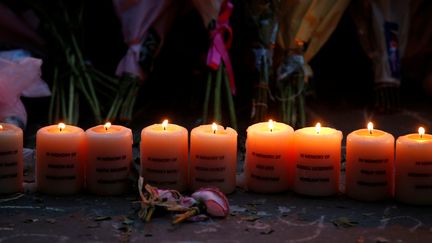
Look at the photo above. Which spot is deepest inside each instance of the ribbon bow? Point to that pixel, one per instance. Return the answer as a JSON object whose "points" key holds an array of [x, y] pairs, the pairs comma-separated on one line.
{"points": [[219, 47]]}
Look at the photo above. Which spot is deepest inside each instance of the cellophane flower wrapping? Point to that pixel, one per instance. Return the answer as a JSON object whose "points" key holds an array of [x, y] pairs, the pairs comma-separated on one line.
{"points": [[20, 75]]}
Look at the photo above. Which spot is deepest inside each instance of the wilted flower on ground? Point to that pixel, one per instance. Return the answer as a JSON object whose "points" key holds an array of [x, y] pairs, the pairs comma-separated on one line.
{"points": [[203, 203]]}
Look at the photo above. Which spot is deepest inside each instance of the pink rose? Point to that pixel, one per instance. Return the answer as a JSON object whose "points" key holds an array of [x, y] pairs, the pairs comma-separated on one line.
{"points": [[215, 201]]}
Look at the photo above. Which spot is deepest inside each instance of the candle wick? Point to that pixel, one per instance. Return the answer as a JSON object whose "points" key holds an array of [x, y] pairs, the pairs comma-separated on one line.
{"points": [[164, 128], [421, 135], [214, 131], [106, 128], [370, 132]]}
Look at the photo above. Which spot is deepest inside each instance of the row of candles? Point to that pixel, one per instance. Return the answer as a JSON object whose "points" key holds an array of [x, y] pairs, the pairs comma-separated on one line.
{"points": [[278, 158]]}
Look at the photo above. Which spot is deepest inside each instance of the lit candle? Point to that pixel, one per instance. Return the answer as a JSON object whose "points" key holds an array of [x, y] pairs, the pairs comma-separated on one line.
{"points": [[60, 157], [109, 159], [213, 155], [269, 164], [11, 160], [413, 168], [317, 160], [164, 156], [369, 164]]}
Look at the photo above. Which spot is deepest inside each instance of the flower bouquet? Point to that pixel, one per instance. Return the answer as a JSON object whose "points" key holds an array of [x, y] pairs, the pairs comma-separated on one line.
{"points": [[304, 28], [216, 15], [73, 76], [264, 17], [144, 25], [383, 33]]}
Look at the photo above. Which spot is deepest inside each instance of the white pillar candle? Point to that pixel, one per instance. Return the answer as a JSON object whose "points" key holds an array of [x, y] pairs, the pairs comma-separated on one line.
{"points": [[369, 164], [413, 168], [317, 160], [269, 165], [164, 156], [11, 158], [60, 158], [213, 156], [109, 159]]}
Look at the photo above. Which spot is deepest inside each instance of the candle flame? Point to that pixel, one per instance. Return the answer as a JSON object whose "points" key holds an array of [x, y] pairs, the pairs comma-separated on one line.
{"points": [[421, 131], [165, 124], [214, 127], [270, 125], [318, 128], [61, 126], [107, 126], [1, 127], [370, 127]]}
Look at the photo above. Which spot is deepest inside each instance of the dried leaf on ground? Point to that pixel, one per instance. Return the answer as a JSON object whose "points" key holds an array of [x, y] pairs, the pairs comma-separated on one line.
{"points": [[102, 218], [344, 222], [250, 218], [28, 221], [51, 221]]}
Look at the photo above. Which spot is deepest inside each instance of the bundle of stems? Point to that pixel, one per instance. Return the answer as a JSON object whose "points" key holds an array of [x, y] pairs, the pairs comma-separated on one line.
{"points": [[261, 96], [124, 101], [291, 85], [264, 16], [215, 81], [73, 76]]}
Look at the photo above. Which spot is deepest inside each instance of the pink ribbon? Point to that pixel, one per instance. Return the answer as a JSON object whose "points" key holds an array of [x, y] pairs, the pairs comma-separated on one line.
{"points": [[219, 47]]}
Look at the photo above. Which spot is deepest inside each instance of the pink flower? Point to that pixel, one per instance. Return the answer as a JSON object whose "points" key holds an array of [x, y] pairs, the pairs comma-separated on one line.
{"points": [[168, 195], [215, 201]]}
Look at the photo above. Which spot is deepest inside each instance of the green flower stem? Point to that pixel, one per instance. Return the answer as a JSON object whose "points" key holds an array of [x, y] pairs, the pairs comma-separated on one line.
{"points": [[128, 104], [289, 104], [104, 76], [217, 96], [207, 97], [96, 106], [53, 95], [76, 111], [302, 112], [230, 101], [63, 102], [71, 115]]}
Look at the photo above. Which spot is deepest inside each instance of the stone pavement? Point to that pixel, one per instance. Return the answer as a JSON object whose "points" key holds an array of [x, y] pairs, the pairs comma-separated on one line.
{"points": [[254, 218]]}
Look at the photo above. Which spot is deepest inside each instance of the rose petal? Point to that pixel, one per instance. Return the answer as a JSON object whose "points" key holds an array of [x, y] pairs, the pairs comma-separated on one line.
{"points": [[215, 201]]}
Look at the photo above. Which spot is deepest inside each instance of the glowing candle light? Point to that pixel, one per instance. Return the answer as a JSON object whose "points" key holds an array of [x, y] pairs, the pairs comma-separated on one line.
{"points": [[317, 160], [60, 158], [109, 159], [269, 157], [413, 166], [369, 164], [213, 156], [164, 156], [11, 159]]}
